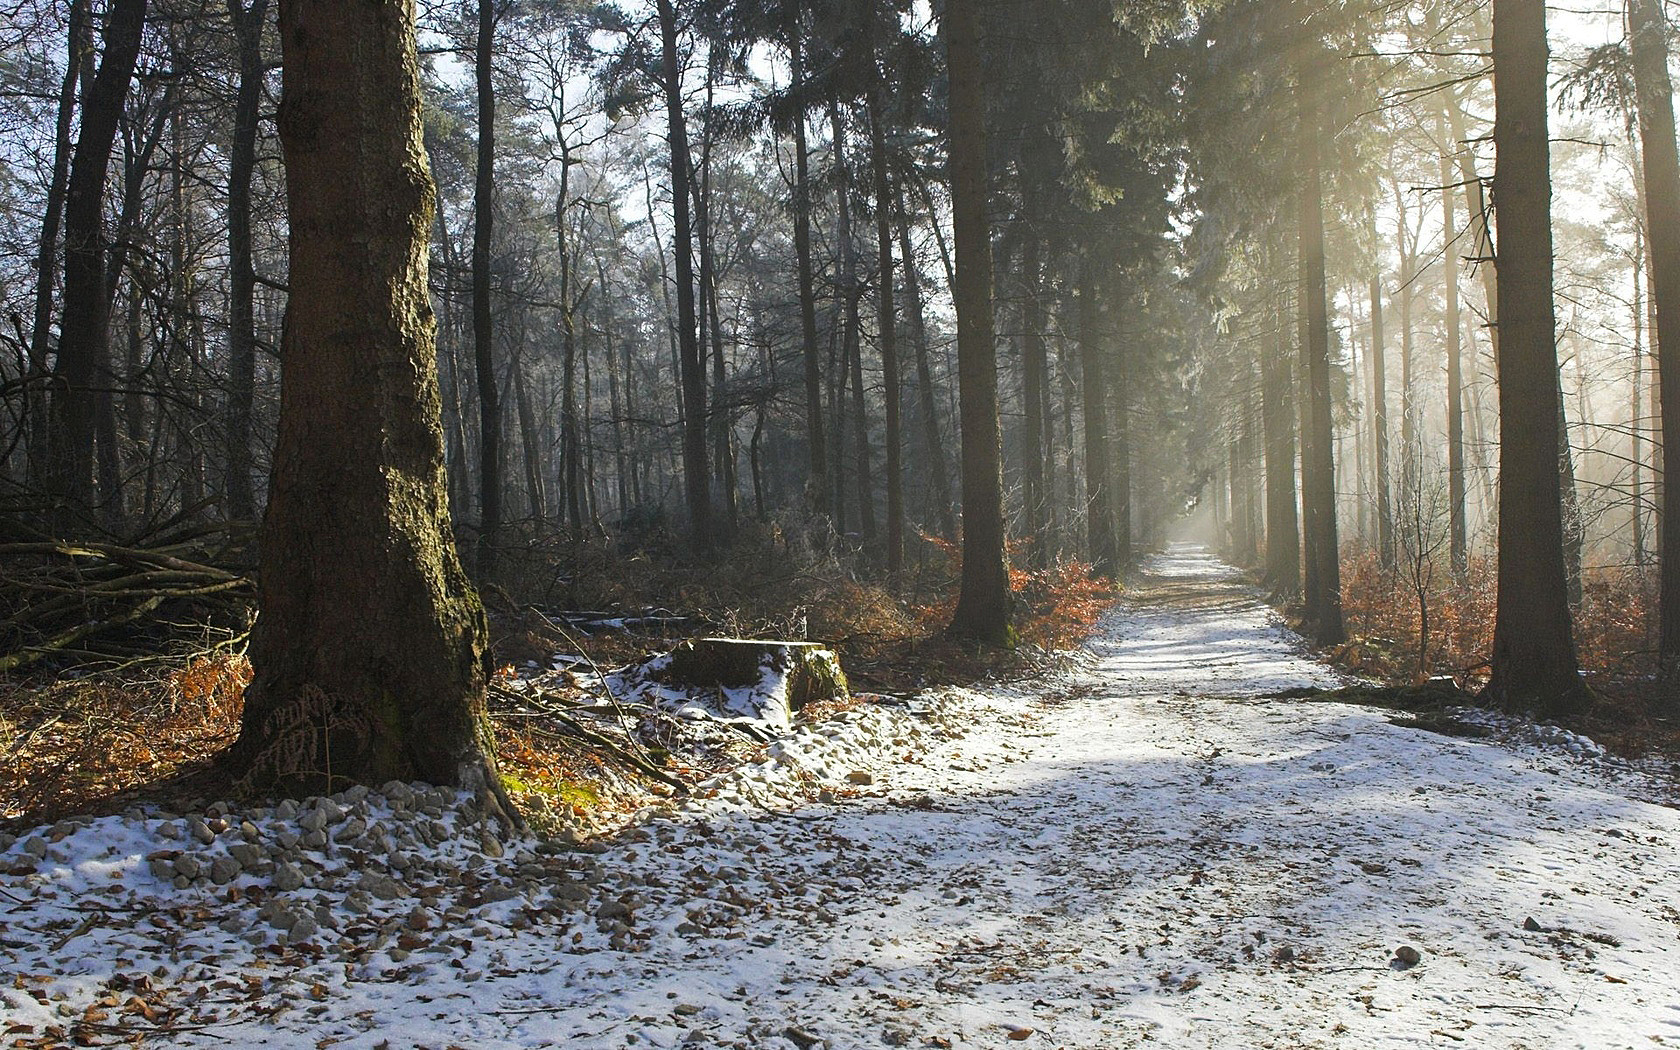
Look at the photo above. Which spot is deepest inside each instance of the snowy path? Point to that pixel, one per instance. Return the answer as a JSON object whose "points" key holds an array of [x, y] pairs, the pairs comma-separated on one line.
{"points": [[1141, 852]]}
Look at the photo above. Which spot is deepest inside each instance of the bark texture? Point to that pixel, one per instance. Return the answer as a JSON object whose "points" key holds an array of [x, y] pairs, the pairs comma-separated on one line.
{"points": [[1533, 661], [370, 648], [983, 604]]}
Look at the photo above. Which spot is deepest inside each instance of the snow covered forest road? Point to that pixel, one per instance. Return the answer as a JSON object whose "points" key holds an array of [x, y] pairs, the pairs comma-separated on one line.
{"points": [[1140, 852]]}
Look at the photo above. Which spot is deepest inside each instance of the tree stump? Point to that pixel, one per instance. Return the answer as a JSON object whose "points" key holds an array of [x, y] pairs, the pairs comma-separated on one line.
{"points": [[808, 672]]}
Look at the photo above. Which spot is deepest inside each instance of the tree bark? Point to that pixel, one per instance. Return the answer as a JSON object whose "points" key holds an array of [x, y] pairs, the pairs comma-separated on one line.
{"points": [[1283, 529], [46, 256], [982, 611], [1318, 466], [242, 277], [1533, 660], [1456, 511], [1655, 100], [1033, 367], [83, 343], [1379, 420], [489, 395], [851, 334], [1099, 507], [817, 482], [939, 488], [696, 471], [888, 324], [370, 650]]}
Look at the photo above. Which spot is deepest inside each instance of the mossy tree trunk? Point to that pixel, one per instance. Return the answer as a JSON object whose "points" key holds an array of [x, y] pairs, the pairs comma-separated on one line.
{"points": [[369, 651]]}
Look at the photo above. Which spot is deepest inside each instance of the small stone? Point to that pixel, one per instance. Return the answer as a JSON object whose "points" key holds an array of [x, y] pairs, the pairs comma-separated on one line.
{"points": [[331, 811], [860, 777], [287, 877], [1408, 955], [288, 839], [685, 1009], [1533, 927], [201, 832], [162, 868], [314, 820], [491, 846], [382, 886], [316, 839], [247, 854], [612, 910], [249, 830], [420, 919], [353, 829], [217, 825], [1020, 1033], [286, 810], [303, 929], [224, 870], [1284, 954], [188, 866], [36, 847], [800, 1037]]}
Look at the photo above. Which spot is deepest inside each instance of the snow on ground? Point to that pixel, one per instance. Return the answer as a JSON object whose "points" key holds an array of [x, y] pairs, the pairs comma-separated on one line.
{"points": [[1143, 850]]}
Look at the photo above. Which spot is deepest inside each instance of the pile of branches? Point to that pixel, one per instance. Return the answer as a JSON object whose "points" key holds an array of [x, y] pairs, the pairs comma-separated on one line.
{"points": [[75, 603]]}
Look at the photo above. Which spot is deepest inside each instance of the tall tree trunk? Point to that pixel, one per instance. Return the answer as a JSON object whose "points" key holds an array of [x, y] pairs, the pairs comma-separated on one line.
{"points": [[1379, 421], [1636, 407], [46, 256], [939, 488], [536, 499], [83, 344], [1318, 467], [1033, 363], [696, 472], [1655, 94], [817, 483], [1457, 517], [1533, 660], [489, 396], [242, 277], [1099, 507], [851, 335], [982, 611], [370, 650], [888, 326], [1283, 532]]}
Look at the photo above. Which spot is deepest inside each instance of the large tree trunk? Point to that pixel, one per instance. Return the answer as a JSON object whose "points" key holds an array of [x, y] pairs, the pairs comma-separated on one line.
{"points": [[1099, 506], [46, 256], [83, 344], [1283, 529], [817, 483], [370, 650], [1662, 207], [1533, 660], [1318, 465], [696, 471], [489, 394], [242, 278], [982, 611], [888, 326]]}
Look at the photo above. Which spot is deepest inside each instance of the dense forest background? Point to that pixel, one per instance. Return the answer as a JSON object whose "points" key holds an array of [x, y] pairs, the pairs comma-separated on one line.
{"points": [[696, 279]]}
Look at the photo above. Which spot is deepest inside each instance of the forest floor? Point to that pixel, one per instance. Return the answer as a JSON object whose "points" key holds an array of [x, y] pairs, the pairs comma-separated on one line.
{"points": [[1142, 848]]}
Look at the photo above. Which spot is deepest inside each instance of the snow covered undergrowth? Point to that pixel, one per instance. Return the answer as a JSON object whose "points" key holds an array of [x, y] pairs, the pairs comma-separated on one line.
{"points": [[1140, 851]]}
